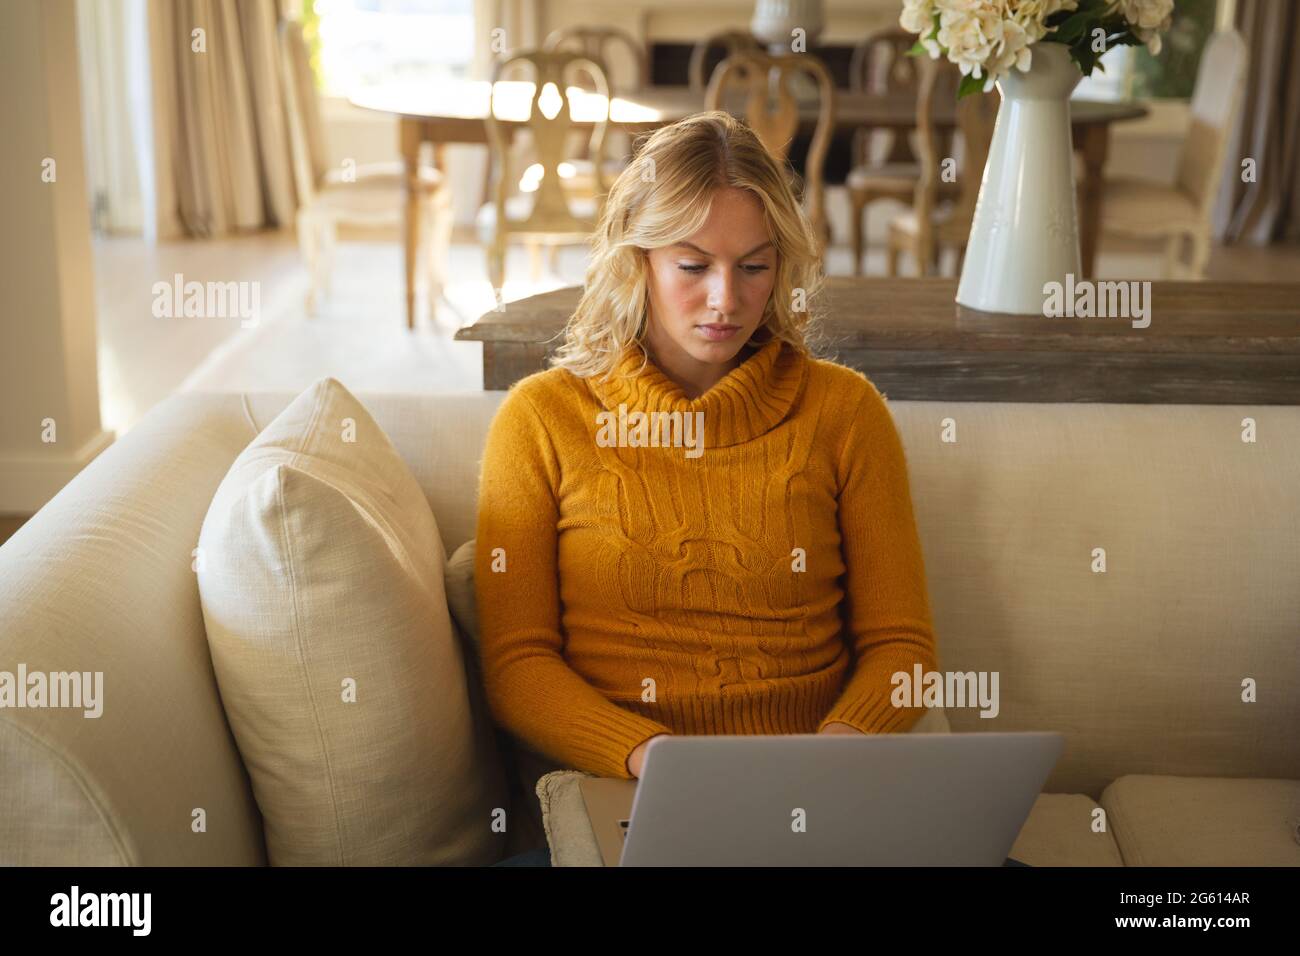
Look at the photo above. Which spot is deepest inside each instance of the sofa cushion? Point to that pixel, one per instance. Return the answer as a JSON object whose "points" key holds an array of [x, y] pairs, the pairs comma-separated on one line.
{"points": [[524, 767], [564, 813], [1204, 821], [320, 572], [459, 579], [1060, 831]]}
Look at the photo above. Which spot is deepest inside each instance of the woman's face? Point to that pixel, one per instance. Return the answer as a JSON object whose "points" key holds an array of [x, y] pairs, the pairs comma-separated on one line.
{"points": [[723, 275]]}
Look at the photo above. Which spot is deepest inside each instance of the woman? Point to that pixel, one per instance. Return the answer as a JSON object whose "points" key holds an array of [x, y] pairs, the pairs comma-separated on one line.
{"points": [[688, 525]]}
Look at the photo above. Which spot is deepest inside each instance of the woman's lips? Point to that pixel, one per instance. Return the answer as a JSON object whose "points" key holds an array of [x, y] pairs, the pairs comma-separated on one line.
{"points": [[716, 333]]}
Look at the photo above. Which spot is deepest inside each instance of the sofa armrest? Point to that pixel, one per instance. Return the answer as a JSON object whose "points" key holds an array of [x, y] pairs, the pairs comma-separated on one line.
{"points": [[100, 582]]}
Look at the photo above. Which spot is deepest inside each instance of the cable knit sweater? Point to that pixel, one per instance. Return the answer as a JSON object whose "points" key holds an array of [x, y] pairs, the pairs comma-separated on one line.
{"points": [[770, 584]]}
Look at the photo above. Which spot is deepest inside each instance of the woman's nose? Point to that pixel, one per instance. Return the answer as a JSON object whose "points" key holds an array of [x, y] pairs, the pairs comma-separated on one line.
{"points": [[722, 293]]}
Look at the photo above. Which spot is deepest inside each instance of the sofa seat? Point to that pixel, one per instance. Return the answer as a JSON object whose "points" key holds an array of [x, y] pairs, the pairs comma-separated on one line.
{"points": [[1204, 821], [1130, 665], [1059, 832]]}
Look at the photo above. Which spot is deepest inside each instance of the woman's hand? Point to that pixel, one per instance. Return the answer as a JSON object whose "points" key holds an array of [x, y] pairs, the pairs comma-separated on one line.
{"points": [[637, 758], [835, 727]]}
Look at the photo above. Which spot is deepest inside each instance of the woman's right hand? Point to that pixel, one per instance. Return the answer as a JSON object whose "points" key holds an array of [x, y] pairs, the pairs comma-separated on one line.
{"points": [[637, 758]]}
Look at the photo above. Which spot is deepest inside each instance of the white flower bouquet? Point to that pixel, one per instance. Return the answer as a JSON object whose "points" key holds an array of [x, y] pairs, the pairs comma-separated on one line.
{"points": [[987, 38]]}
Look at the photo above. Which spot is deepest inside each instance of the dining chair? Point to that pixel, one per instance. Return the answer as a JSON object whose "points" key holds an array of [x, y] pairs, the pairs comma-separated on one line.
{"points": [[732, 42], [1180, 213], [884, 164], [595, 42], [544, 212], [604, 45], [369, 194], [772, 111], [928, 227]]}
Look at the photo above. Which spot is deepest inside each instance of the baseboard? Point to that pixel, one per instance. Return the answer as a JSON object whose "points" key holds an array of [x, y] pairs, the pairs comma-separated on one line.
{"points": [[27, 483]]}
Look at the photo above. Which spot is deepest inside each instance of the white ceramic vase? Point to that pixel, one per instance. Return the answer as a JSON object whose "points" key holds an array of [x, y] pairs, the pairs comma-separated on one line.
{"points": [[774, 21], [1025, 232]]}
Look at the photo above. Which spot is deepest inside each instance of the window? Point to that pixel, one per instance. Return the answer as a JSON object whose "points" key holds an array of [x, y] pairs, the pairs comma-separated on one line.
{"points": [[1131, 72], [361, 43], [1111, 78], [1173, 72]]}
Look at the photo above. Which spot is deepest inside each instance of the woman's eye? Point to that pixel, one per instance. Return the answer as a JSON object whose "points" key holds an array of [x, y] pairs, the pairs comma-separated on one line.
{"points": [[752, 270]]}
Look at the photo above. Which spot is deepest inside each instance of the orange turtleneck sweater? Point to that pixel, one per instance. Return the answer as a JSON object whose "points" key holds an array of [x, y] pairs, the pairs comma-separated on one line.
{"points": [[769, 584]]}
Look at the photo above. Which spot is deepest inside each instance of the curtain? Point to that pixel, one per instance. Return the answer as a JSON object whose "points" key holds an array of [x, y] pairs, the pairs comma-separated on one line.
{"points": [[1268, 131], [110, 56], [221, 151]]}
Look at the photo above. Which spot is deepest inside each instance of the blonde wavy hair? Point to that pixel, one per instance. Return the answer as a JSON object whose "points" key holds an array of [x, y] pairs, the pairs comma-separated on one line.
{"points": [[688, 163]]}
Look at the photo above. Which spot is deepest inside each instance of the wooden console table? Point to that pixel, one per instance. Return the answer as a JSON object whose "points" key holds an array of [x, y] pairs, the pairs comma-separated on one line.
{"points": [[1212, 343]]}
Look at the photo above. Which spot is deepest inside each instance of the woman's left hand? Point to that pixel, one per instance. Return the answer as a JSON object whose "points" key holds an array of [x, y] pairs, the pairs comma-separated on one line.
{"points": [[835, 727]]}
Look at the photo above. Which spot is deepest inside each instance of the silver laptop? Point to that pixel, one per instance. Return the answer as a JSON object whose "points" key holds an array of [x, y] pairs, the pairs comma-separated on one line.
{"points": [[823, 800]]}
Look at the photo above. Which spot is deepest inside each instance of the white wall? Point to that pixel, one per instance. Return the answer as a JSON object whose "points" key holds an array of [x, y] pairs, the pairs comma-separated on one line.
{"points": [[48, 349]]}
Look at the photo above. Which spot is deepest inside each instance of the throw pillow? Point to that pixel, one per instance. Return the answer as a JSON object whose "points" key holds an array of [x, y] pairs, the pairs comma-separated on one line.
{"points": [[320, 571]]}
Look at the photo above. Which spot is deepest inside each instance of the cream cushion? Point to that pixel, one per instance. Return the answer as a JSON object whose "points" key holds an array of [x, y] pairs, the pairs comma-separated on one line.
{"points": [[569, 835], [523, 766], [320, 572], [1140, 207], [906, 174], [1163, 820], [1062, 829], [461, 599]]}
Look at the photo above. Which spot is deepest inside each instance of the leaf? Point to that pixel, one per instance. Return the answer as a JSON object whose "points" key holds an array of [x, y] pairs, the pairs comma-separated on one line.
{"points": [[918, 48], [1067, 33], [970, 83], [1084, 57], [1072, 29]]}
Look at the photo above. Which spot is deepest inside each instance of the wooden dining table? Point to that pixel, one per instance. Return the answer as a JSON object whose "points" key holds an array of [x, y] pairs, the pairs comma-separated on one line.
{"points": [[454, 111]]}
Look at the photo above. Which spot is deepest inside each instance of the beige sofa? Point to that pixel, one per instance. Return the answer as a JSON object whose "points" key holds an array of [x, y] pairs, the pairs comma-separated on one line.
{"points": [[1143, 666]]}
